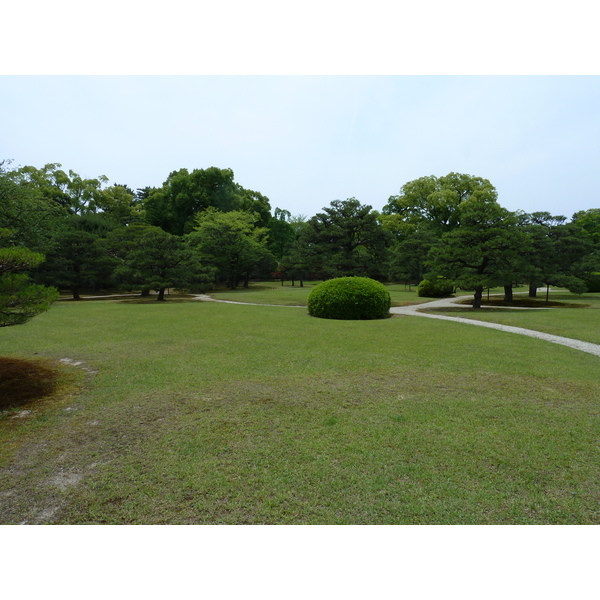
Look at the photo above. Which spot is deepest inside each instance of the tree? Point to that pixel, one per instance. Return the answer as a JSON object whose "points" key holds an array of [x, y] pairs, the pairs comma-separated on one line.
{"points": [[296, 262], [120, 204], [20, 300], [78, 261], [158, 260], [24, 219], [346, 239], [482, 251], [436, 201], [589, 220], [231, 242], [28, 218], [71, 191], [558, 252], [281, 233], [425, 209], [174, 206]]}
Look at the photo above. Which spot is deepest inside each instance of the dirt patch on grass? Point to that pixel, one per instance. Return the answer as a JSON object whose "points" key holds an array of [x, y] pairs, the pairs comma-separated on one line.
{"points": [[25, 381]]}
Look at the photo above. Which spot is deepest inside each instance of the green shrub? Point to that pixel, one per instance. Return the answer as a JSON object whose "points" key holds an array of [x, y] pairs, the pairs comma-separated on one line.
{"points": [[435, 288], [349, 298], [592, 280]]}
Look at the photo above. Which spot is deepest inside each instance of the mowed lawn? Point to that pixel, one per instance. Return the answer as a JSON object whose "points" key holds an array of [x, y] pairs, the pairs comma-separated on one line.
{"points": [[208, 413], [296, 295]]}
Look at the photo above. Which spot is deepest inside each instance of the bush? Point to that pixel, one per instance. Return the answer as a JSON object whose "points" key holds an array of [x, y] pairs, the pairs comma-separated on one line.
{"points": [[435, 288], [592, 281], [349, 298]]}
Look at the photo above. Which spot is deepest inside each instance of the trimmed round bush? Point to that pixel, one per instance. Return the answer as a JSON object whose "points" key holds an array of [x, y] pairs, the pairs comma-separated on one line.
{"points": [[435, 288], [351, 298]]}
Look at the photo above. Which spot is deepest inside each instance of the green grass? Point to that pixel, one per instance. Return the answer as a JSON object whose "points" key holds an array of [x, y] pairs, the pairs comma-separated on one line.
{"points": [[579, 323], [288, 295], [214, 413]]}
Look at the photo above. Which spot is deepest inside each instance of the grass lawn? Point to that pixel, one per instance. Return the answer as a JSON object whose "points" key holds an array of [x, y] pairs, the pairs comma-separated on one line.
{"points": [[294, 295], [207, 413]]}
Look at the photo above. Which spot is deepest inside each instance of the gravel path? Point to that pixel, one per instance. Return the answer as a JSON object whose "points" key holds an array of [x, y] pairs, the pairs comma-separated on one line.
{"points": [[417, 311]]}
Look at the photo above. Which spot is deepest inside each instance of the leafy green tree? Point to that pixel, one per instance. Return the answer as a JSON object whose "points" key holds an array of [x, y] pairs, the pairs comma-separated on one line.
{"points": [[174, 206], [589, 220], [29, 218], [436, 201], [425, 209], [231, 242], [482, 251], [75, 193], [20, 300], [409, 254], [78, 261], [558, 254], [281, 233], [120, 204], [297, 261], [346, 239], [256, 204], [24, 219], [158, 260]]}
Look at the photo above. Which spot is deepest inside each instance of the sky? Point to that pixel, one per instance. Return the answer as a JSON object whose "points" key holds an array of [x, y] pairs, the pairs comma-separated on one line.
{"points": [[304, 141]]}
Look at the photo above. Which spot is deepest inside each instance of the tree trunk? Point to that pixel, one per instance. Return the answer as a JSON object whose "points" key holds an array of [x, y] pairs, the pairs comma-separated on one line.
{"points": [[478, 296], [161, 295], [301, 283], [145, 292], [532, 290], [508, 293], [75, 294]]}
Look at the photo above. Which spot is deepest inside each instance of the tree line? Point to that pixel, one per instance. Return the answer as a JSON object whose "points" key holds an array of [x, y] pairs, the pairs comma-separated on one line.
{"points": [[60, 230]]}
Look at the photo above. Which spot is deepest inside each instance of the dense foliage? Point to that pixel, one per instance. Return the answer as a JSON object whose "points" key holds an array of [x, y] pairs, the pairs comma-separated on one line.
{"points": [[435, 288], [353, 298], [201, 227]]}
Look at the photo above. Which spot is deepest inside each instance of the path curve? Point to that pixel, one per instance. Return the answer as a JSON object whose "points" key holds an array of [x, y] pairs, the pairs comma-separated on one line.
{"points": [[416, 310]]}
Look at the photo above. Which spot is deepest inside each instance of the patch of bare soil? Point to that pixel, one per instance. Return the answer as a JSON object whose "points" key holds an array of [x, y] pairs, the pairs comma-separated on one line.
{"points": [[26, 381]]}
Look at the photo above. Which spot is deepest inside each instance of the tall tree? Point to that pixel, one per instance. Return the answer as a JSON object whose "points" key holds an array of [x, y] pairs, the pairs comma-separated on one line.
{"points": [[158, 260], [29, 217], [183, 195], [345, 239], [589, 220], [75, 193], [558, 252], [425, 209], [78, 261], [20, 300], [231, 242], [281, 233], [436, 200], [483, 251]]}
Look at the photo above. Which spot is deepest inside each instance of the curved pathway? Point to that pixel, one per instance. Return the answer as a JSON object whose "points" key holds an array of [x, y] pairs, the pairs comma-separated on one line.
{"points": [[416, 310]]}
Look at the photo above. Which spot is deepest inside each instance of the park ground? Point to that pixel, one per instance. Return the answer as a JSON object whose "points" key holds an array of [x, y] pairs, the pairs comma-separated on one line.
{"points": [[186, 412]]}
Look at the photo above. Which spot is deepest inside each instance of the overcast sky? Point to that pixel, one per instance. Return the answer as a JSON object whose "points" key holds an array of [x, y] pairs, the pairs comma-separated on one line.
{"points": [[305, 140]]}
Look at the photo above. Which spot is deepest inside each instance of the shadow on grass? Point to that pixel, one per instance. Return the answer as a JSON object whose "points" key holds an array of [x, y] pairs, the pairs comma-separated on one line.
{"points": [[25, 381], [521, 303]]}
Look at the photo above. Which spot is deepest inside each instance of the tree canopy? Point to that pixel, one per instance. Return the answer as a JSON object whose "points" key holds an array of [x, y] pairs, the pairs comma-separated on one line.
{"points": [[206, 226]]}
